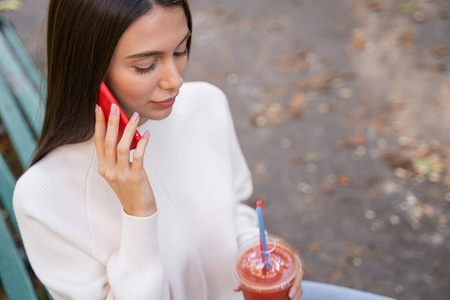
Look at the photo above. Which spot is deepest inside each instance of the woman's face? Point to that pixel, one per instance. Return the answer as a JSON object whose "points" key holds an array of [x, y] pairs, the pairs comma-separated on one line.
{"points": [[146, 69]]}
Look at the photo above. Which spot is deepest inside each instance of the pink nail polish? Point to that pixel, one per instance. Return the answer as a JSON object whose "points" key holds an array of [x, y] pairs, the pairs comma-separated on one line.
{"points": [[292, 292], [146, 134], [237, 286], [96, 108], [134, 117], [113, 109]]}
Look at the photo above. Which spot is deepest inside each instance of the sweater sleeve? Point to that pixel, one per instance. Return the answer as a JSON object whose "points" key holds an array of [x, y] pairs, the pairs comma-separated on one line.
{"points": [[246, 218], [136, 270], [59, 245], [246, 221]]}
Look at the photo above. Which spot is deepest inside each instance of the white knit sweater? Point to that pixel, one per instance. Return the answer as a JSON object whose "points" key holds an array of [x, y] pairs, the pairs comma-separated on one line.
{"points": [[83, 246]]}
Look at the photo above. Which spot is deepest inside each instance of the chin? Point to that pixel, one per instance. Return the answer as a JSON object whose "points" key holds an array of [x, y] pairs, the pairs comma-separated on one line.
{"points": [[160, 115]]}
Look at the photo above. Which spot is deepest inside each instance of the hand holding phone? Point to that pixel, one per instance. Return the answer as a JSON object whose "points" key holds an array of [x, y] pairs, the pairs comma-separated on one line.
{"points": [[128, 179], [105, 99]]}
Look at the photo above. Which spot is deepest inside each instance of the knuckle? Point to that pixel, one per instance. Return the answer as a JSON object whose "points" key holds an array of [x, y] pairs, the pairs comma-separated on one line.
{"points": [[122, 150], [97, 139], [109, 143], [110, 175], [137, 156], [101, 170], [124, 176]]}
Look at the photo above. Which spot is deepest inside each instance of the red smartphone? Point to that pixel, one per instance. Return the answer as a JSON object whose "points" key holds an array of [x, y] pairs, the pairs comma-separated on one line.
{"points": [[105, 99]]}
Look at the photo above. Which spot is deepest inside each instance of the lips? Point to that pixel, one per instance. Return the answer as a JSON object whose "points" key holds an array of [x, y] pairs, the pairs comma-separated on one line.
{"points": [[164, 104]]}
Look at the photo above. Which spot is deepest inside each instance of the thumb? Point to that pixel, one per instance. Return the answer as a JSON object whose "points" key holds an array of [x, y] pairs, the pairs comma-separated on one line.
{"points": [[238, 287]]}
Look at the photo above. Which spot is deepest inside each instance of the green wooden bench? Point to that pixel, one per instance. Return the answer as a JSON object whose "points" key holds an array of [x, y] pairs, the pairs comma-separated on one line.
{"points": [[21, 117]]}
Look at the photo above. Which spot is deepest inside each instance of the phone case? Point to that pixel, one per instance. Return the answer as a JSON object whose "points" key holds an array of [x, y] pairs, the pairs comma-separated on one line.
{"points": [[105, 99]]}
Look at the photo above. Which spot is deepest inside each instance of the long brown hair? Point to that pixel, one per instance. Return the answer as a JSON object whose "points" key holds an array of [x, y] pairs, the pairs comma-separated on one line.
{"points": [[81, 38]]}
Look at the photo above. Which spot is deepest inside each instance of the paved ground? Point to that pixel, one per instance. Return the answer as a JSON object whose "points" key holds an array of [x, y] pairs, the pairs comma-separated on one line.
{"points": [[343, 112]]}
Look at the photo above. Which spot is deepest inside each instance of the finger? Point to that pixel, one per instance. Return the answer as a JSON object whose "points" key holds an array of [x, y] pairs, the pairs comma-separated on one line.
{"points": [[123, 148], [298, 279], [111, 135], [238, 287], [295, 293], [138, 155], [298, 294], [99, 135], [296, 289]]}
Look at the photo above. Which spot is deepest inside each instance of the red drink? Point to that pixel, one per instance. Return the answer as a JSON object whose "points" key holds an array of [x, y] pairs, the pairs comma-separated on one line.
{"points": [[257, 282]]}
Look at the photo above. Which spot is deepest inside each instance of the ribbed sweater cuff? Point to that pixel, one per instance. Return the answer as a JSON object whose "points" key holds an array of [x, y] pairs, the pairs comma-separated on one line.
{"points": [[139, 245]]}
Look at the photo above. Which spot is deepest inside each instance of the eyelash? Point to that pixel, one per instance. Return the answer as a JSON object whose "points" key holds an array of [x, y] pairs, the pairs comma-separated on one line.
{"points": [[184, 53], [141, 71], [146, 70]]}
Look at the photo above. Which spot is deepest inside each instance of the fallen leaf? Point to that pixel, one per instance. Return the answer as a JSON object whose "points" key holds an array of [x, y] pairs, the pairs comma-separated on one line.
{"points": [[310, 157], [447, 180], [396, 106], [437, 66], [423, 151], [431, 164], [343, 180], [376, 5], [314, 248], [380, 122], [441, 50], [406, 39], [418, 16], [398, 160], [444, 14], [406, 7], [229, 17], [301, 66], [286, 63], [271, 114], [351, 142], [297, 105], [357, 42], [323, 81], [327, 188]]}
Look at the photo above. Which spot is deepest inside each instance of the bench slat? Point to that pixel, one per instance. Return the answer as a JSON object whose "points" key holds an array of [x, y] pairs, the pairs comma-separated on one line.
{"points": [[24, 57], [26, 95], [21, 113], [17, 128], [13, 274], [6, 190]]}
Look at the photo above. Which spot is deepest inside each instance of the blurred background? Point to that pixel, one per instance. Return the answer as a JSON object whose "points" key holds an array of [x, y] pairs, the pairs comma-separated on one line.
{"points": [[342, 109]]}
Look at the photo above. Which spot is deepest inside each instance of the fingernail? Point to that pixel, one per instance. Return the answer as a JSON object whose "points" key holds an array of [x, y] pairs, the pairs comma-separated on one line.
{"points": [[113, 109], [96, 109], [237, 286], [292, 293], [146, 134], [134, 117]]}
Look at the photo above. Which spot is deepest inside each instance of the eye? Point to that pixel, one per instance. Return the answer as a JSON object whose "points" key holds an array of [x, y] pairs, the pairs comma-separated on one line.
{"points": [[142, 71], [184, 53]]}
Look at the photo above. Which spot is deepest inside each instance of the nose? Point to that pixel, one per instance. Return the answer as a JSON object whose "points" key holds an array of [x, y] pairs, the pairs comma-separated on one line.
{"points": [[170, 77]]}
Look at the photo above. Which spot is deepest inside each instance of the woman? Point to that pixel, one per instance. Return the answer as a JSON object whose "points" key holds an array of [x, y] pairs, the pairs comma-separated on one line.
{"points": [[167, 224]]}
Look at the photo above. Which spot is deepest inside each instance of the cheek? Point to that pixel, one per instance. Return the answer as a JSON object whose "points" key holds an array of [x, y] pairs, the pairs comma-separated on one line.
{"points": [[131, 88], [181, 65]]}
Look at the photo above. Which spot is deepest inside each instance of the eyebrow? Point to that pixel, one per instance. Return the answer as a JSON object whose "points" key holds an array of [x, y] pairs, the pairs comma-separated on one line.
{"points": [[150, 53]]}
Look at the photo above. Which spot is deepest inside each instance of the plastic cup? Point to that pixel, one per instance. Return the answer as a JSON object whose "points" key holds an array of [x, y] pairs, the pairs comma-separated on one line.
{"points": [[256, 281]]}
